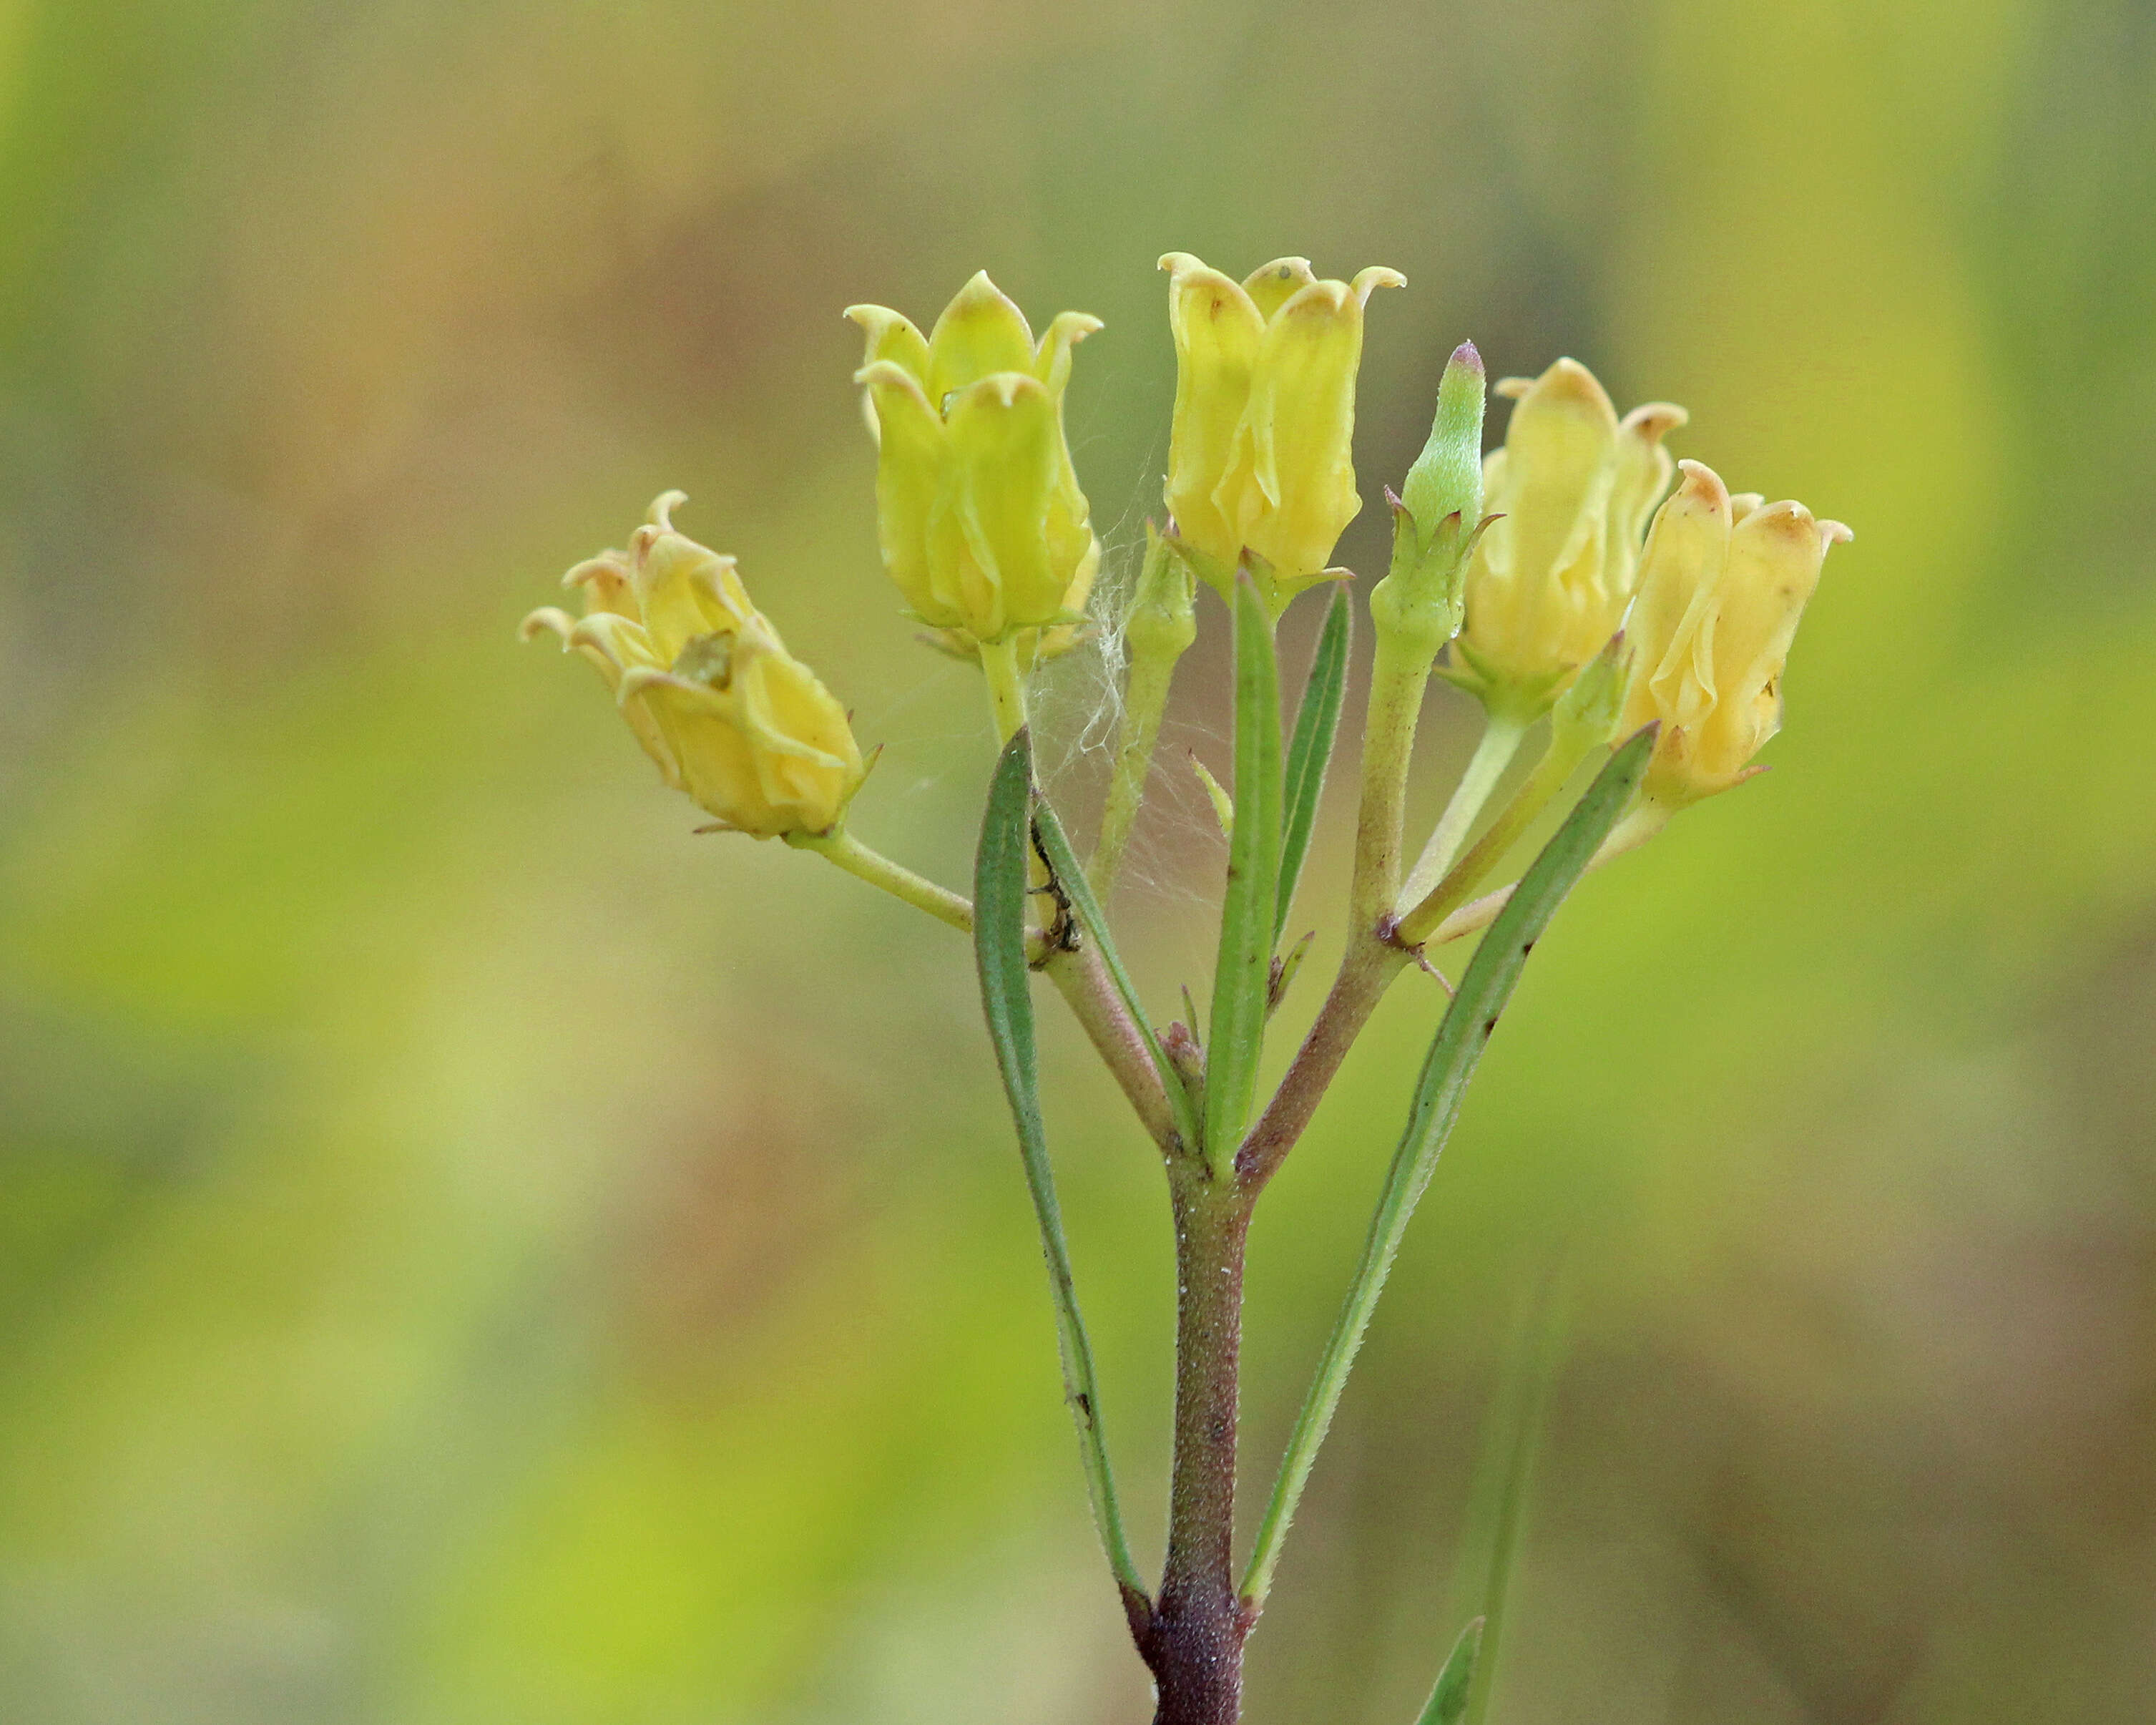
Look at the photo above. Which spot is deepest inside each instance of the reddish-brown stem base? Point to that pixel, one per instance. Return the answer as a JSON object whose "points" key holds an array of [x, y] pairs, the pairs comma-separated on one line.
{"points": [[1194, 1643]]}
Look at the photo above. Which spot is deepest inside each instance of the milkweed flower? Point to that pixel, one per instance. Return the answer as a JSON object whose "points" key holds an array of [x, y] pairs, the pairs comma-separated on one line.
{"points": [[979, 515], [729, 715], [1572, 490], [1722, 584], [1260, 456]]}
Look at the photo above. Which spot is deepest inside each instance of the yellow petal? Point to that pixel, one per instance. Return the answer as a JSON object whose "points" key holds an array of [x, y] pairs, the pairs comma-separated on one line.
{"points": [[1272, 286], [1558, 449], [1051, 361], [546, 619], [1667, 633], [1644, 467], [981, 332], [1301, 426], [913, 463], [891, 336], [713, 761], [1774, 557], [608, 581], [684, 589], [807, 762], [1003, 440], [1368, 280], [1217, 331], [622, 642]]}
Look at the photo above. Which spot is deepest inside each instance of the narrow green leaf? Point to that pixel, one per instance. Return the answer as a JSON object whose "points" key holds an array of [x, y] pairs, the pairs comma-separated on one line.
{"points": [[1310, 749], [1453, 1056], [1070, 879], [1448, 1700], [1244, 965], [999, 896]]}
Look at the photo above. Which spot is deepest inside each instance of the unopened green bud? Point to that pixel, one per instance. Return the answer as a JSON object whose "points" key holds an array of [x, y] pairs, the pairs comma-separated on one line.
{"points": [[1421, 601], [1162, 621], [1447, 478]]}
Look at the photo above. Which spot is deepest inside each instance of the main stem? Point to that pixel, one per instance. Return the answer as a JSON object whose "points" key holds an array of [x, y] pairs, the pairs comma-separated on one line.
{"points": [[1194, 1642]]}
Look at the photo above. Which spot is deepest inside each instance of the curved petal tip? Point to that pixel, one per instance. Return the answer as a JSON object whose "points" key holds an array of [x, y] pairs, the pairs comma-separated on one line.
{"points": [[1701, 484], [547, 619]]}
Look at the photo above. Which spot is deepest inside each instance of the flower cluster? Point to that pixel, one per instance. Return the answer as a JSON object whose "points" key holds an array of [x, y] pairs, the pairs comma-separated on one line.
{"points": [[1528, 569]]}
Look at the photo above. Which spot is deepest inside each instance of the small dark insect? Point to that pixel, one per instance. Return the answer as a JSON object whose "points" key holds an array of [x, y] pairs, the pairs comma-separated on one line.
{"points": [[1062, 930]]}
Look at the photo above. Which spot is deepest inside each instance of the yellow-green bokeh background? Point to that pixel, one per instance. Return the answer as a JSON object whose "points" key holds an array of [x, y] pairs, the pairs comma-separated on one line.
{"points": [[471, 1251]]}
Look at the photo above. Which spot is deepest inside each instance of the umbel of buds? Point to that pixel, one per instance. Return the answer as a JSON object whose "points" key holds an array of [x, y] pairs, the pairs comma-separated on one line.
{"points": [[729, 715], [982, 526], [1260, 457], [1722, 584], [1570, 491]]}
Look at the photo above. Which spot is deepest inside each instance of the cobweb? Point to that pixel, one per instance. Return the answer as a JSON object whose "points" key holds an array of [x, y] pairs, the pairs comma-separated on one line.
{"points": [[1078, 703]]}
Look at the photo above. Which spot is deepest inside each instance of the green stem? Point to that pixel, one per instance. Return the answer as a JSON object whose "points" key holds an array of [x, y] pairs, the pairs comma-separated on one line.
{"points": [[1559, 761], [1500, 742], [857, 860], [1641, 825], [1006, 684], [1145, 702], [1398, 677]]}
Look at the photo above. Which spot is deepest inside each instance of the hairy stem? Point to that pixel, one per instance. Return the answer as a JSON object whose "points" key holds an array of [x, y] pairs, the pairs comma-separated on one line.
{"points": [[1193, 1644], [1083, 981], [1365, 974]]}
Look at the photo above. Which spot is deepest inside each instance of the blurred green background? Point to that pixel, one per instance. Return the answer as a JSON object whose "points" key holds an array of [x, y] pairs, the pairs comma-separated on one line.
{"points": [[472, 1251]]}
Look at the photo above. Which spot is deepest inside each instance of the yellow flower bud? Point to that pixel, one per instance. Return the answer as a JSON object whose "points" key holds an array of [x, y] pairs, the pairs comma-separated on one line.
{"points": [[982, 522], [1261, 457], [730, 715], [1573, 488], [1722, 585]]}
